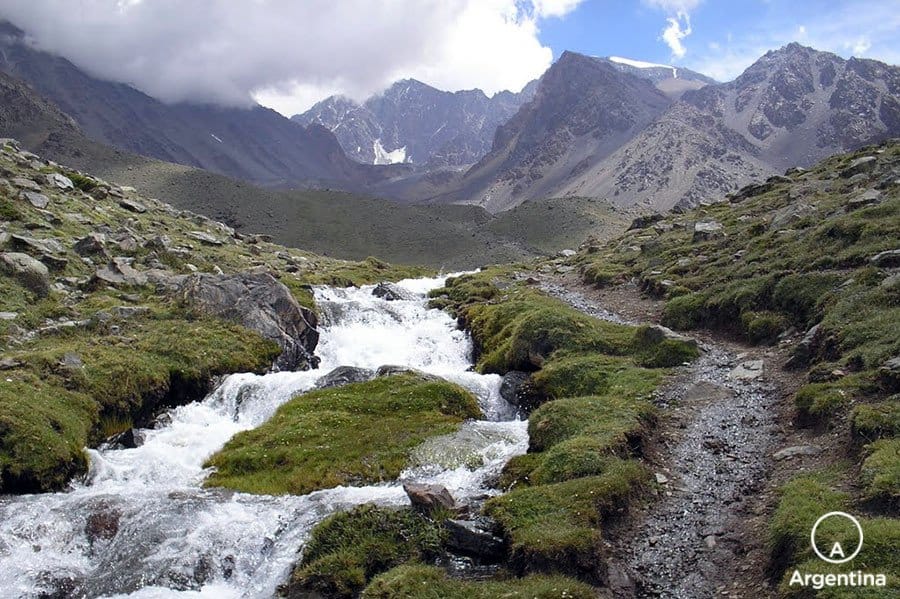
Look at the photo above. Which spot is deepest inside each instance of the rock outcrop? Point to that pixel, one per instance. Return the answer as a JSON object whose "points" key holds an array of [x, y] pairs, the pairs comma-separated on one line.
{"points": [[261, 303]]}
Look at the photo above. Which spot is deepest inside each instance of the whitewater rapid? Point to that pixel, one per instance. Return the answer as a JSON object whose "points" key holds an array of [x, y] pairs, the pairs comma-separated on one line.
{"points": [[175, 538]]}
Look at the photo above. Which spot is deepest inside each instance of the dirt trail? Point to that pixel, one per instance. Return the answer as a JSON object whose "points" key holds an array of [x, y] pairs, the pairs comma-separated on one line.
{"points": [[720, 423]]}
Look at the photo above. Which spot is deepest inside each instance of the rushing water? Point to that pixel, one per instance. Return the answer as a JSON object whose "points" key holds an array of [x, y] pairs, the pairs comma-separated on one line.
{"points": [[174, 537]]}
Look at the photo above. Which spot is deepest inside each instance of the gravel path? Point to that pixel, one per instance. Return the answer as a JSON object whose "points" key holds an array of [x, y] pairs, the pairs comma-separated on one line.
{"points": [[711, 454]]}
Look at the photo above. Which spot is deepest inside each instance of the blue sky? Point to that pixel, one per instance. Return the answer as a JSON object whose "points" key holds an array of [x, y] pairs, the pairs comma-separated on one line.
{"points": [[725, 35]]}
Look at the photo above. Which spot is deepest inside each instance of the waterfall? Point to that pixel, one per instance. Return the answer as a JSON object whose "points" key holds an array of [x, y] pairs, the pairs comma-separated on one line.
{"points": [[156, 532]]}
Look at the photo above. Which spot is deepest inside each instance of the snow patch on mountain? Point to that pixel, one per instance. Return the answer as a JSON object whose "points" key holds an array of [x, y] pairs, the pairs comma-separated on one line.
{"points": [[640, 64], [382, 156]]}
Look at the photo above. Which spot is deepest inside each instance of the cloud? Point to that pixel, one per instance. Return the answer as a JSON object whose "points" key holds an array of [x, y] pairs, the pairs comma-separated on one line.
{"points": [[674, 33], [287, 53], [861, 46], [679, 22]]}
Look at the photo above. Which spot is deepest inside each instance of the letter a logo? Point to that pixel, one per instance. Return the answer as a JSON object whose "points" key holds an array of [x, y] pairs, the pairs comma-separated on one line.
{"points": [[837, 550]]}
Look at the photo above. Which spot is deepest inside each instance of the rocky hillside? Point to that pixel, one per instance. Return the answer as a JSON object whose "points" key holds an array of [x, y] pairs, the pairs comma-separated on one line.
{"points": [[254, 144], [798, 105], [583, 110], [809, 264], [673, 81], [117, 306], [415, 123]]}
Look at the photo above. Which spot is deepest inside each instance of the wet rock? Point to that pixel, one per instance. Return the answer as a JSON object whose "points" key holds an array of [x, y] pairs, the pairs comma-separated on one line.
{"points": [[475, 538], [747, 371], [426, 498], [93, 244], [345, 375], [102, 524], [796, 450], [887, 259], [128, 439], [511, 384], [31, 273], [861, 165], [390, 292], [707, 230], [261, 303], [132, 205], [38, 200], [889, 375]]}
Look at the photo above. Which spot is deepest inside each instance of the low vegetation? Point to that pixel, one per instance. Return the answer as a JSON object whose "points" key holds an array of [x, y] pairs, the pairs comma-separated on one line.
{"points": [[809, 260], [355, 434], [84, 359]]}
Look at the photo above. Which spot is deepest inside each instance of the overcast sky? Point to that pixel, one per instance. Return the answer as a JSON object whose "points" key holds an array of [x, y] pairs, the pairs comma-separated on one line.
{"points": [[287, 54]]}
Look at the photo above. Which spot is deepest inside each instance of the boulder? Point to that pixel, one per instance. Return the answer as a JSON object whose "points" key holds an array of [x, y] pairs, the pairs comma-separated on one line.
{"points": [[887, 259], [654, 334], [426, 498], [707, 230], [889, 375], [132, 206], [475, 538], [747, 371], [866, 198], [391, 292], [32, 274], [205, 238], [93, 244], [128, 439], [118, 273], [512, 384], [60, 181], [861, 165], [102, 523], [806, 349], [38, 200], [27, 184], [642, 222], [259, 302], [566, 253], [796, 450], [36, 246], [345, 375]]}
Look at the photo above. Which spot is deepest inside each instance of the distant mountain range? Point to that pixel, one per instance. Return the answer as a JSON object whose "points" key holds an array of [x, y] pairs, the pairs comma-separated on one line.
{"points": [[415, 123], [642, 135]]}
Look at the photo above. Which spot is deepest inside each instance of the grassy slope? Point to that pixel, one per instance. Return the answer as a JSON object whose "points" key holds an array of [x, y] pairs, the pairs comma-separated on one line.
{"points": [[350, 435], [772, 271], [132, 366]]}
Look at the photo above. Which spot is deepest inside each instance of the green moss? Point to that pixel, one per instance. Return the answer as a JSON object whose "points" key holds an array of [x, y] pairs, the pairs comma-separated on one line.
{"points": [[354, 434], [818, 401], [347, 549], [874, 421], [365, 272], [802, 501], [556, 527], [763, 326], [616, 420], [685, 311], [653, 349], [881, 471], [428, 582]]}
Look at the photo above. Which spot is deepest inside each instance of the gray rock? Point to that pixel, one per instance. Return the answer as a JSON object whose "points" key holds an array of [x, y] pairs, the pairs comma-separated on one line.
{"points": [[10, 363], [60, 181], [806, 348], [29, 272], [512, 384], [392, 370], [475, 538], [747, 371], [160, 242], [861, 165], [23, 183], [887, 259], [426, 498], [8, 315], [36, 246], [889, 375], [345, 375], [655, 333], [796, 450], [93, 244], [642, 222], [132, 205], [71, 361], [118, 273], [38, 200], [567, 253], [128, 439], [707, 230], [391, 292], [205, 238], [261, 303], [790, 214], [867, 198]]}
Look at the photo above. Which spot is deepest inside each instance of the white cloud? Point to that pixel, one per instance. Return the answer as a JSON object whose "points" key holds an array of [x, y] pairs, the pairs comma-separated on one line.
{"points": [[861, 46], [288, 54], [674, 6], [674, 33]]}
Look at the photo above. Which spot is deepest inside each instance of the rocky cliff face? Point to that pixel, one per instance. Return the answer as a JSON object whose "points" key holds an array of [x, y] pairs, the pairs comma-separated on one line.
{"points": [[417, 123], [798, 105], [583, 110]]}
